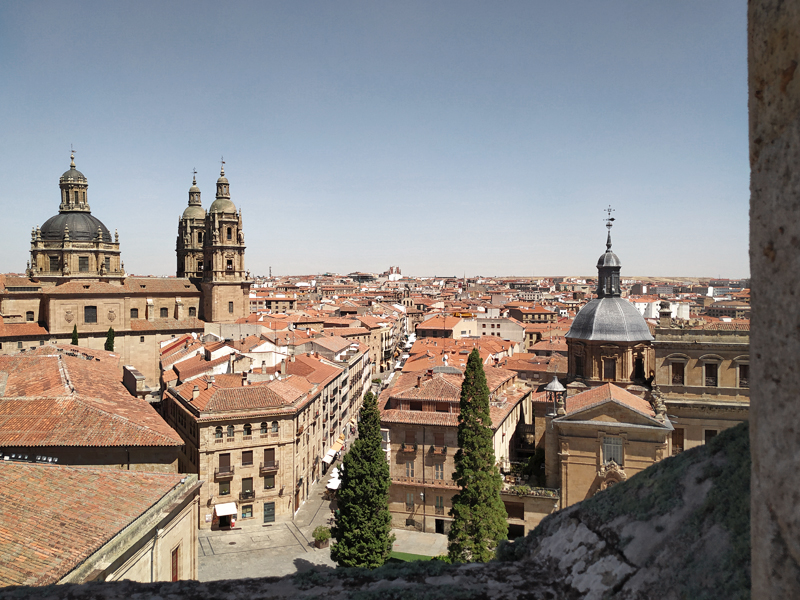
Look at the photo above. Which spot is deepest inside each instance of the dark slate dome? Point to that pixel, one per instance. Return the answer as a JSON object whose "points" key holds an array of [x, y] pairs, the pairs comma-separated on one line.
{"points": [[608, 259], [82, 227], [610, 319], [73, 175]]}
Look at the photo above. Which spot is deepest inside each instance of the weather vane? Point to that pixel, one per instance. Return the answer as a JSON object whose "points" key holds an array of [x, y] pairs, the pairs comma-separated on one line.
{"points": [[609, 219]]}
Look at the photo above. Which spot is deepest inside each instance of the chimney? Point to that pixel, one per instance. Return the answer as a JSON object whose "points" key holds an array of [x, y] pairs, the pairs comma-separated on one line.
{"points": [[244, 379], [283, 366], [195, 392], [292, 357], [209, 383]]}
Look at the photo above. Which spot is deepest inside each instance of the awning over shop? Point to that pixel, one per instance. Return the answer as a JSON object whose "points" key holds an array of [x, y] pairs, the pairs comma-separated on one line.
{"points": [[334, 484], [328, 458], [223, 510], [337, 446]]}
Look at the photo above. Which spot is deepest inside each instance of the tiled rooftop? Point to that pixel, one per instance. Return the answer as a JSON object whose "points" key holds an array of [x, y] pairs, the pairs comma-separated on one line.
{"points": [[53, 517]]}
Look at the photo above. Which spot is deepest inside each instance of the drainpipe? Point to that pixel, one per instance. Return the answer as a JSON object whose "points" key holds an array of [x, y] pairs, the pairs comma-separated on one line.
{"points": [[424, 495], [153, 555]]}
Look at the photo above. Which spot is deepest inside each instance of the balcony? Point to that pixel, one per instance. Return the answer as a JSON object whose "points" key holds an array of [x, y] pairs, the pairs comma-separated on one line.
{"points": [[223, 473], [440, 510], [268, 467], [439, 450], [247, 495], [407, 447]]}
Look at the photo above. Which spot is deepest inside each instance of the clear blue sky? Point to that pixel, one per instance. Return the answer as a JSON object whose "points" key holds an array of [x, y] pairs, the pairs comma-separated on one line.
{"points": [[442, 137]]}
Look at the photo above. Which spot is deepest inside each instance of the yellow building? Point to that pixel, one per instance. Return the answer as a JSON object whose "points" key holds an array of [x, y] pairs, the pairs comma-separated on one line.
{"points": [[600, 437]]}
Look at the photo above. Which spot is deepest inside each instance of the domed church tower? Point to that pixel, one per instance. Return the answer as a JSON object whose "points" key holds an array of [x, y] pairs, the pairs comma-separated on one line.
{"points": [[73, 244], [191, 235], [609, 340], [225, 285]]}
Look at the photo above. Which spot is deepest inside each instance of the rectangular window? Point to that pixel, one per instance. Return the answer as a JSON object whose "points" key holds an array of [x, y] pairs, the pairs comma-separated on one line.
{"points": [[192, 311], [247, 511], [90, 314], [678, 369], [438, 438], [53, 263], [709, 434], [134, 313], [230, 307], [107, 263], [612, 449], [164, 313], [141, 339], [410, 468], [438, 472], [609, 369], [411, 437], [247, 458], [224, 463], [677, 440], [711, 374], [579, 366], [269, 457], [176, 561], [744, 376], [269, 482], [224, 488], [409, 500], [247, 484], [83, 264], [229, 265], [29, 315], [269, 512]]}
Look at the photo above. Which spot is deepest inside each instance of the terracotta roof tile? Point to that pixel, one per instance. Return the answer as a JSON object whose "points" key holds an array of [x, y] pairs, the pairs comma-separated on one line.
{"points": [[53, 517]]}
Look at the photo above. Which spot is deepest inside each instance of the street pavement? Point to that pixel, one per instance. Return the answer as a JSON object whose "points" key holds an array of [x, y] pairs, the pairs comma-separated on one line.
{"points": [[253, 549]]}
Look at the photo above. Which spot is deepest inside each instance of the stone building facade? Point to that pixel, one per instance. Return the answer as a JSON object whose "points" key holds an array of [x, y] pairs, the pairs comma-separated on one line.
{"points": [[419, 425]]}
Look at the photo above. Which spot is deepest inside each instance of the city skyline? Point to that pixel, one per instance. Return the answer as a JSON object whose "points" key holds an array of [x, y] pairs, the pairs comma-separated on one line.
{"points": [[446, 139]]}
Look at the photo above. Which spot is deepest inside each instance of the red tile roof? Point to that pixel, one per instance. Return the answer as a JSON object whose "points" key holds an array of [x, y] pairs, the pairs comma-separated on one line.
{"points": [[49, 398], [54, 517], [608, 393]]}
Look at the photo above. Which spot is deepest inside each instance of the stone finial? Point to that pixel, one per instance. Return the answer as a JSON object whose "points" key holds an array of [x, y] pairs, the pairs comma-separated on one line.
{"points": [[116, 236]]}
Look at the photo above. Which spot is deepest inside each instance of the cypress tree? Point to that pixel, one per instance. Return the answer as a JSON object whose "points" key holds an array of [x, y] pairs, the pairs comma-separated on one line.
{"points": [[479, 516], [109, 346], [362, 529], [75, 334]]}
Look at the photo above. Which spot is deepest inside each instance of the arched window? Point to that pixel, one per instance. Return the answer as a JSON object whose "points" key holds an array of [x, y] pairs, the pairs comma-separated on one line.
{"points": [[264, 427], [164, 313], [230, 431], [218, 433], [248, 429], [230, 233], [274, 427]]}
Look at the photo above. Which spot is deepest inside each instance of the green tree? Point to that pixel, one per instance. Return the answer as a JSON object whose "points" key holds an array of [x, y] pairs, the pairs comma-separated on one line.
{"points": [[75, 334], [110, 340], [479, 516], [362, 529]]}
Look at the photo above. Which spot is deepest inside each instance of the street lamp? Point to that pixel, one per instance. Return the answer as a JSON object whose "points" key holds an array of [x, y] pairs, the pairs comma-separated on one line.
{"points": [[555, 392]]}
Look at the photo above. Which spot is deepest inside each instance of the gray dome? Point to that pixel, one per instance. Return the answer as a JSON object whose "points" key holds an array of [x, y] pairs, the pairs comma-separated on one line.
{"points": [[610, 319], [73, 175], [608, 259], [194, 212], [82, 227], [222, 205]]}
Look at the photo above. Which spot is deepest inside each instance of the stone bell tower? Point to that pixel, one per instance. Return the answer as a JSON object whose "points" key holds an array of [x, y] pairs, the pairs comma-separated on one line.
{"points": [[191, 236], [225, 284]]}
